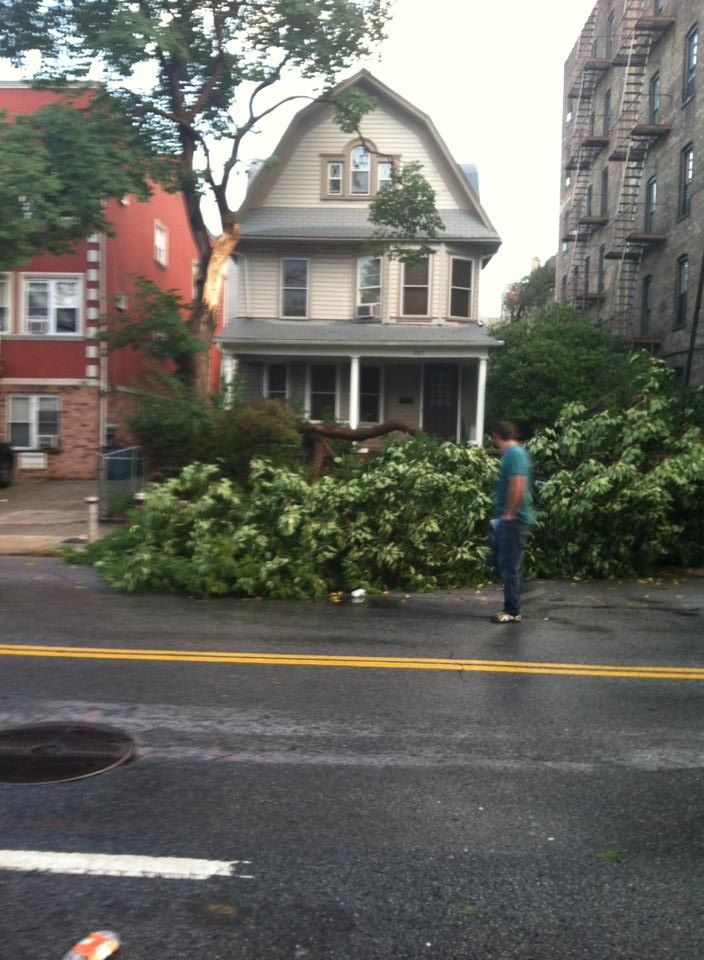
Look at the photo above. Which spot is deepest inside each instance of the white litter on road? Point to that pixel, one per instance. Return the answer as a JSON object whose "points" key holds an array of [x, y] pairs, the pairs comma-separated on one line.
{"points": [[119, 865]]}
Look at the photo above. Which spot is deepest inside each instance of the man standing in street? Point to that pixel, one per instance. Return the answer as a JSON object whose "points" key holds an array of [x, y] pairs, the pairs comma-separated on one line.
{"points": [[513, 516]]}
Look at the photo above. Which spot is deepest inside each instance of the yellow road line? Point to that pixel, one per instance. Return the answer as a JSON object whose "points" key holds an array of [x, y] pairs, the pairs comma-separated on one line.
{"points": [[633, 671]]}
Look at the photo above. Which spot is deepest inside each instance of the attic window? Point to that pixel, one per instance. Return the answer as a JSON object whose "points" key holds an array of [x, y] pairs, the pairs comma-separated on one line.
{"points": [[361, 165], [335, 174]]}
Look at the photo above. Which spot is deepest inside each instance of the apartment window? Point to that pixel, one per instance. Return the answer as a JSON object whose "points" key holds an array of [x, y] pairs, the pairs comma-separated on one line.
{"points": [[33, 421], [384, 175], [335, 174], [601, 274], [659, 6], [646, 315], [276, 381], [369, 283], [654, 100], [360, 171], [461, 288], [416, 288], [690, 62], [605, 192], [587, 272], [610, 35], [294, 288], [161, 244], [370, 394], [589, 200], [563, 289], [607, 112], [52, 305], [686, 179], [651, 199], [4, 303], [681, 298], [323, 391]]}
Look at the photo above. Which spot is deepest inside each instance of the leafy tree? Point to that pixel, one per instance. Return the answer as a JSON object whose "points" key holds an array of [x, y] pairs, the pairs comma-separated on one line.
{"points": [[208, 74], [532, 293], [57, 166], [552, 358]]}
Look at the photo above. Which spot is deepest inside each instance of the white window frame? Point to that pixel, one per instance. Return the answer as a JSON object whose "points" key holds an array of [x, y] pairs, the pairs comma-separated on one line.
{"points": [[266, 386], [691, 62], [382, 389], [161, 244], [339, 180], [52, 279], [373, 303], [34, 404], [6, 302], [288, 316], [384, 183], [309, 387], [367, 170], [427, 286], [469, 289]]}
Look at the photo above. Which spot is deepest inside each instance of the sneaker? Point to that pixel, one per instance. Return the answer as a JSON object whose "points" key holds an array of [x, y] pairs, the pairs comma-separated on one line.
{"points": [[506, 618]]}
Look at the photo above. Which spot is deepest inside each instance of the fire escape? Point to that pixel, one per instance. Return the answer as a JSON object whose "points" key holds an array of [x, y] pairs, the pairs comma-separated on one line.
{"points": [[588, 139], [634, 226]]}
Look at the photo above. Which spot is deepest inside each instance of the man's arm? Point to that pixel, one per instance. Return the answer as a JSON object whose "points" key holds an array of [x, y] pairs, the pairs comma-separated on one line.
{"points": [[514, 496]]}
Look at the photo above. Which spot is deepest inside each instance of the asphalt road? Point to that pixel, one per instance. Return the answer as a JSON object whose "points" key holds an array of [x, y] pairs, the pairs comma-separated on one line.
{"points": [[393, 806]]}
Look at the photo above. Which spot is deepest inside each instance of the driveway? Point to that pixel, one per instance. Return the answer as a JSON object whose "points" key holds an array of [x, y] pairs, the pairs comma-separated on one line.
{"points": [[38, 516]]}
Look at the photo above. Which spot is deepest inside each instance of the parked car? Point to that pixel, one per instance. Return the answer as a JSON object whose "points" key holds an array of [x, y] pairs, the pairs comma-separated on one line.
{"points": [[8, 464]]}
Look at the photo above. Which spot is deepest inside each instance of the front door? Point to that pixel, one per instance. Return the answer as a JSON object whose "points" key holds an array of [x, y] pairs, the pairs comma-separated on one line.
{"points": [[440, 400]]}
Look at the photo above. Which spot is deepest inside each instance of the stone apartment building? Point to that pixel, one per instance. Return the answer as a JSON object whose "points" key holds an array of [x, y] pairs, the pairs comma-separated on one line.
{"points": [[631, 221]]}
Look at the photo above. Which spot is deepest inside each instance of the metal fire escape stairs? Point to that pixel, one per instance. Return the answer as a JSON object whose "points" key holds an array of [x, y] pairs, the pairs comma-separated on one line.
{"points": [[639, 33], [584, 145]]}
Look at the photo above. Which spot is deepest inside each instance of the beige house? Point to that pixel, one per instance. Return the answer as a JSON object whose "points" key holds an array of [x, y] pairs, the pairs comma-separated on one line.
{"points": [[318, 321]]}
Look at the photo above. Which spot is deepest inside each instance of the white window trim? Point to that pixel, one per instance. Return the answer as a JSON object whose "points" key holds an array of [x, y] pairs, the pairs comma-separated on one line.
{"points": [[286, 316], [7, 277], [321, 363], [369, 171], [382, 391], [34, 415], [417, 316], [358, 290], [51, 277], [341, 192], [470, 289], [265, 378], [380, 162], [159, 226]]}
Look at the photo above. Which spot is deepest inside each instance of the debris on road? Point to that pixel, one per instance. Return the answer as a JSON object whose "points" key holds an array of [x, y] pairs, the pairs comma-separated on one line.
{"points": [[96, 946]]}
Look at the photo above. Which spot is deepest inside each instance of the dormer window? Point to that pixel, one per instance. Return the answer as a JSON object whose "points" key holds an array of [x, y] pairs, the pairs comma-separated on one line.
{"points": [[335, 175], [361, 164]]}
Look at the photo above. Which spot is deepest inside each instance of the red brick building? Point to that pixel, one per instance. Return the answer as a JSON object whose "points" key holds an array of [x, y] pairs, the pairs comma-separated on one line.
{"points": [[61, 391]]}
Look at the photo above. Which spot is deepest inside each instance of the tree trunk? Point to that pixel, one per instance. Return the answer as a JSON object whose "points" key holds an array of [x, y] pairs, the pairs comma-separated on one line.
{"points": [[319, 434]]}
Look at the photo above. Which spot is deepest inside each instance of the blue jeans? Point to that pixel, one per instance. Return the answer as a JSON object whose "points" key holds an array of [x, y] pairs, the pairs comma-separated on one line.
{"points": [[508, 538]]}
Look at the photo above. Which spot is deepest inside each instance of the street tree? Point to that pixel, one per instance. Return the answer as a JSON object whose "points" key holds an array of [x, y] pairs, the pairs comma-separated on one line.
{"points": [[196, 78], [531, 293]]}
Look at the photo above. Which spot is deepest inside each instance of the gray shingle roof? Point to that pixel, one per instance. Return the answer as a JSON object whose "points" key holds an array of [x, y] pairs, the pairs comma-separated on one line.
{"points": [[247, 331], [340, 223]]}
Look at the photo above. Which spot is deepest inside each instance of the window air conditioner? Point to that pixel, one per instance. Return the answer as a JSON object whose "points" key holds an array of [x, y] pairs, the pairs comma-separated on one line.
{"points": [[38, 326], [46, 441], [366, 311]]}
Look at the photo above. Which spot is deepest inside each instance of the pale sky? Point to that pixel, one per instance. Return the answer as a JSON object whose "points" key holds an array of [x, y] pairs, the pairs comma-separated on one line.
{"points": [[489, 73]]}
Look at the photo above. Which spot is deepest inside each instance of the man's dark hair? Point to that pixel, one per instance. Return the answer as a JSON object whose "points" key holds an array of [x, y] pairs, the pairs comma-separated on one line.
{"points": [[505, 430]]}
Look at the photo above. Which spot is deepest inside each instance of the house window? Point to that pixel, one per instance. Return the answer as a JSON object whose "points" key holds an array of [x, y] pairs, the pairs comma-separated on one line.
{"points": [[654, 100], [416, 288], [368, 286], [276, 381], [646, 315], [681, 300], [4, 303], [161, 244], [651, 199], [384, 171], [360, 171], [690, 62], [294, 288], [52, 305], [370, 394], [323, 391], [601, 275], [33, 421], [686, 179], [335, 175], [605, 192], [461, 288]]}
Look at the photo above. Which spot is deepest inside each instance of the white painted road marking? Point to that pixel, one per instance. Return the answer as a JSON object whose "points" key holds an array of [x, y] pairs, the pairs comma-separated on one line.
{"points": [[118, 865]]}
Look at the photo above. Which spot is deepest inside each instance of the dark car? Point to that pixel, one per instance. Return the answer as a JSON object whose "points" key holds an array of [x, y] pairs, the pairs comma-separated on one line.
{"points": [[8, 463]]}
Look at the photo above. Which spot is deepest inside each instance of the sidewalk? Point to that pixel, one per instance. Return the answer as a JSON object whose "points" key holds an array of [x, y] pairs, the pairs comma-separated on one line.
{"points": [[37, 517]]}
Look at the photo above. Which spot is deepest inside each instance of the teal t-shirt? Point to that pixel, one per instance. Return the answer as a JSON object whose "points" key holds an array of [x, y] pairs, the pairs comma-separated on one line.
{"points": [[515, 461]]}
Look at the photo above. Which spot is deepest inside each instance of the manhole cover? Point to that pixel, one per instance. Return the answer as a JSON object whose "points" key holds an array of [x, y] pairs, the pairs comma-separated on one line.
{"points": [[53, 752]]}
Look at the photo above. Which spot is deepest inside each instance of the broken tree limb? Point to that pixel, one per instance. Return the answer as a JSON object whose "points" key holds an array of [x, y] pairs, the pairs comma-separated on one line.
{"points": [[318, 435]]}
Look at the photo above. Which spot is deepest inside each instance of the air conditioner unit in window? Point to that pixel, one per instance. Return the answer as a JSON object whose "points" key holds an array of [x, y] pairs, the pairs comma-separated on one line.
{"points": [[369, 311], [46, 441], [38, 326]]}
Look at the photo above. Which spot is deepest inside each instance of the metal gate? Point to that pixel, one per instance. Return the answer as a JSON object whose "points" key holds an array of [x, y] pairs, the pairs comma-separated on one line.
{"points": [[121, 475]]}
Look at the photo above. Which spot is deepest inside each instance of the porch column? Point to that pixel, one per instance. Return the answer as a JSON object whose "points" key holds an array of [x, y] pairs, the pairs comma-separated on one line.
{"points": [[354, 392], [481, 389]]}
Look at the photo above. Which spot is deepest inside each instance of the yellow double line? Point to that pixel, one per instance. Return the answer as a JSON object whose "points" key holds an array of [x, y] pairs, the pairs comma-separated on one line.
{"points": [[633, 672]]}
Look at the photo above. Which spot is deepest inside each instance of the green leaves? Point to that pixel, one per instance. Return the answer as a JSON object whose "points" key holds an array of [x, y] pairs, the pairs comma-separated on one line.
{"points": [[405, 214]]}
